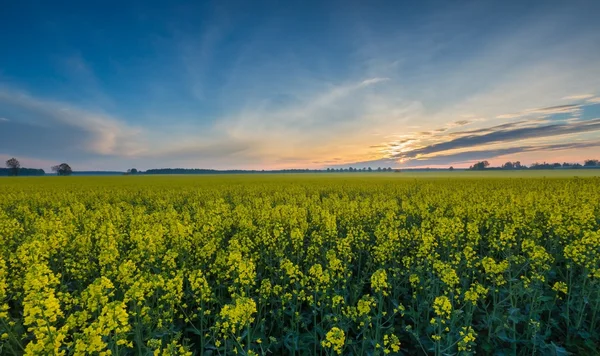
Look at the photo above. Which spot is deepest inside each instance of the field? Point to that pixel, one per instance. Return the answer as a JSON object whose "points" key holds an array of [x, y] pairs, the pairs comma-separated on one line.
{"points": [[434, 263]]}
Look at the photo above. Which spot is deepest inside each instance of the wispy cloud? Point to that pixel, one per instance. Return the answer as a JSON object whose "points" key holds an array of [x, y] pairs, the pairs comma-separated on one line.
{"points": [[578, 97], [461, 122], [3, 119], [372, 81], [339, 120], [55, 130], [504, 133], [542, 112], [462, 158], [95, 133]]}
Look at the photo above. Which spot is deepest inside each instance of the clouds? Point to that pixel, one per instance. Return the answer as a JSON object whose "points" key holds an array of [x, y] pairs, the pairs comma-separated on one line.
{"points": [[505, 134], [477, 155], [372, 81], [47, 131], [552, 132], [530, 135], [579, 97], [462, 122], [240, 86], [543, 112], [47, 127]]}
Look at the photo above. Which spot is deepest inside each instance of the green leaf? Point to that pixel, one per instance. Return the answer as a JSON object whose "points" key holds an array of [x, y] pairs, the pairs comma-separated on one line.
{"points": [[559, 350]]}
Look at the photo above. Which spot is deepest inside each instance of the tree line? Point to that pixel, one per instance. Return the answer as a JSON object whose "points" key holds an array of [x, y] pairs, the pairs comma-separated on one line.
{"points": [[13, 168], [589, 163], [214, 171]]}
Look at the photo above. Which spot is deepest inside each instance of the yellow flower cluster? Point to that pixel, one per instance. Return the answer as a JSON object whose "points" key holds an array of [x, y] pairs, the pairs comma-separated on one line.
{"points": [[236, 316], [495, 270], [379, 282], [442, 307], [391, 343], [475, 293], [560, 287], [335, 339], [467, 339], [584, 252]]}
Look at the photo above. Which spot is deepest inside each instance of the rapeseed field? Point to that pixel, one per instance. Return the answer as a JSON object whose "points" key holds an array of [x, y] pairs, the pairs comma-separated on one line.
{"points": [[321, 265]]}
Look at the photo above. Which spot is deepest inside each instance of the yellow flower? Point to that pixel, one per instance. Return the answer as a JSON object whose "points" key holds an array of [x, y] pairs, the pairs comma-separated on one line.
{"points": [[335, 339], [391, 343], [442, 307], [379, 282], [475, 293], [467, 339], [560, 287], [236, 316]]}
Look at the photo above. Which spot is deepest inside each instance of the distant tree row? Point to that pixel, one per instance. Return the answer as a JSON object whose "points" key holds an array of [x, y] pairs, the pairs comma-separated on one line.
{"points": [[480, 165], [22, 172], [214, 171], [364, 169], [590, 163], [13, 168]]}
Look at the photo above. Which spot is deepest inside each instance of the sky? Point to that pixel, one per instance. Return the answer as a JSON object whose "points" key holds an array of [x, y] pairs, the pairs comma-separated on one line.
{"points": [[298, 84]]}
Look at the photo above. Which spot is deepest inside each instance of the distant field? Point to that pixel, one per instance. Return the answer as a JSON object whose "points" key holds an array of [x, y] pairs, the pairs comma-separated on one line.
{"points": [[438, 263], [558, 173], [293, 177]]}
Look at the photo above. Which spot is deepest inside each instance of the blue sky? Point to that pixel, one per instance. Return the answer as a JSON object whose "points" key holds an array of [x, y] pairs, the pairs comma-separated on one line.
{"points": [[114, 85]]}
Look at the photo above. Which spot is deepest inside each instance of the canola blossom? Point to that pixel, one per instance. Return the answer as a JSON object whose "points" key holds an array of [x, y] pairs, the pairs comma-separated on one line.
{"points": [[299, 264]]}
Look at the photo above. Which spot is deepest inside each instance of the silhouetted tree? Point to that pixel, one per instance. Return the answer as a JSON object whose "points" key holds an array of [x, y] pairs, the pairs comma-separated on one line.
{"points": [[480, 165], [591, 163], [508, 165], [62, 169], [517, 165], [451, 168], [132, 171], [14, 165], [369, 169]]}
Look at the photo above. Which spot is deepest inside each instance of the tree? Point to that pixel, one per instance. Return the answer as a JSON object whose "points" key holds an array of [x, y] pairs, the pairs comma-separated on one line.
{"points": [[62, 169], [369, 169], [451, 168], [508, 165], [132, 171], [517, 165], [14, 166], [591, 163], [480, 165]]}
